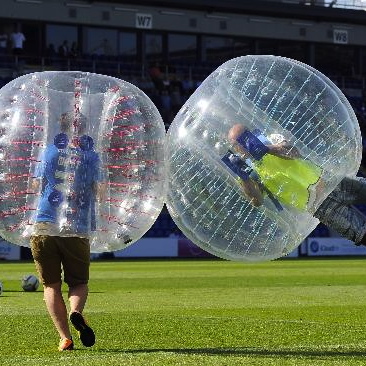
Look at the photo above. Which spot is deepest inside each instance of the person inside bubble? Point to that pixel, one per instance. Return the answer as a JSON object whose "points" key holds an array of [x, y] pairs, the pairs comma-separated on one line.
{"points": [[279, 170], [69, 184], [69, 176]]}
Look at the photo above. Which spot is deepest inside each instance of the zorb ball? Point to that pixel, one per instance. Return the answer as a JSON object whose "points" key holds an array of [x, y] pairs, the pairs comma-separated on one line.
{"points": [[229, 190], [81, 154]]}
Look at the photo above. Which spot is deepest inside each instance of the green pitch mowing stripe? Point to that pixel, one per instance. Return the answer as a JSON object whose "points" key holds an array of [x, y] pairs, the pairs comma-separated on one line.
{"points": [[287, 312]]}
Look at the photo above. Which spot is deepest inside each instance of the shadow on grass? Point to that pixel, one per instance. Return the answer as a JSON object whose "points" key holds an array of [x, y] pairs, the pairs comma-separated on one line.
{"points": [[247, 352], [7, 292]]}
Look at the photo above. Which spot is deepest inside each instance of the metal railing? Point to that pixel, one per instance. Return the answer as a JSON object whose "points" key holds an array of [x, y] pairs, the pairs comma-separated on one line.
{"points": [[14, 66]]}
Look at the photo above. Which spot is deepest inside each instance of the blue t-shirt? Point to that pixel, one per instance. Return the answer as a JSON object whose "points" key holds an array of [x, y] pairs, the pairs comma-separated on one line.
{"points": [[68, 177]]}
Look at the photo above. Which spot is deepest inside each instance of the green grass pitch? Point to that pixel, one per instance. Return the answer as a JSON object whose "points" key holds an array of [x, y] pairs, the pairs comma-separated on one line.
{"points": [[198, 312]]}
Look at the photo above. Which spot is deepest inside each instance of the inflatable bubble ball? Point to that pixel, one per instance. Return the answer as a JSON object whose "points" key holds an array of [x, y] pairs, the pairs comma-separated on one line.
{"points": [[254, 152], [81, 154]]}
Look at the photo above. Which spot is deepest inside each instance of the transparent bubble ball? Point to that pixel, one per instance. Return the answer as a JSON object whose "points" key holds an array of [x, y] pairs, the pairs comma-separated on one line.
{"points": [[81, 154], [284, 101]]}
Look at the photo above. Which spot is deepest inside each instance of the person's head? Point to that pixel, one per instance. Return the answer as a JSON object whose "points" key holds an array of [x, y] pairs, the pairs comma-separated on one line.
{"points": [[71, 124], [66, 121], [234, 132]]}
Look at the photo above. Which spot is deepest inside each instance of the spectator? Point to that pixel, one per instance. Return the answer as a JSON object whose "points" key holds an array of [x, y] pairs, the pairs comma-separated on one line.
{"points": [[103, 49], [63, 54], [17, 39], [157, 76], [74, 50], [166, 106], [176, 100], [63, 50], [3, 43], [51, 53]]}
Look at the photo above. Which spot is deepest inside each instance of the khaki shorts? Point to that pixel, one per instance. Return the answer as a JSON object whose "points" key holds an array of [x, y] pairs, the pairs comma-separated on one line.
{"points": [[52, 254]]}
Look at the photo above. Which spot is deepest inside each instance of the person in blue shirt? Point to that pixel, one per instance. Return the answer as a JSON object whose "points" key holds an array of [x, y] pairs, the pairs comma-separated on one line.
{"points": [[337, 210], [68, 181], [70, 175]]}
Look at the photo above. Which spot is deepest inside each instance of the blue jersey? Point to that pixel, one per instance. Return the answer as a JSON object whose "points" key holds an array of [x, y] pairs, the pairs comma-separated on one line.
{"points": [[69, 175]]}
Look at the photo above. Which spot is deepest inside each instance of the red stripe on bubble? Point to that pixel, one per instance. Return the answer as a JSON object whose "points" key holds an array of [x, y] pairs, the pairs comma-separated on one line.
{"points": [[27, 142], [24, 159], [13, 177], [34, 110], [15, 211], [120, 100], [33, 126], [116, 220], [15, 195], [114, 89], [121, 115], [125, 166], [39, 96], [128, 210]]}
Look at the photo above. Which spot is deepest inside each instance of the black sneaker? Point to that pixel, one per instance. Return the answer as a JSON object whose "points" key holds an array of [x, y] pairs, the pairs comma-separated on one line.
{"points": [[86, 334]]}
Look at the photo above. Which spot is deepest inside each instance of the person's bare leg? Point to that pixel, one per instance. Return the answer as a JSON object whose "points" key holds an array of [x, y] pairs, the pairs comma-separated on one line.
{"points": [[77, 297], [57, 309]]}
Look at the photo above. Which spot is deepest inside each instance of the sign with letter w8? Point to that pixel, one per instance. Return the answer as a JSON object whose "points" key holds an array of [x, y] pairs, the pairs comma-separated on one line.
{"points": [[143, 21], [340, 36]]}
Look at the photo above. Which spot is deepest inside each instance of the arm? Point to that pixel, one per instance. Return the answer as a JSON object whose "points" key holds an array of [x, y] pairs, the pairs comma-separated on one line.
{"points": [[35, 184], [40, 170], [99, 190], [284, 150], [99, 187], [250, 188]]}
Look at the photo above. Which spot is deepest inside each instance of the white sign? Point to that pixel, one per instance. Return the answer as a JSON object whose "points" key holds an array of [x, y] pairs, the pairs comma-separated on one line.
{"points": [[144, 21], [333, 246], [9, 251], [293, 254], [151, 247], [340, 36]]}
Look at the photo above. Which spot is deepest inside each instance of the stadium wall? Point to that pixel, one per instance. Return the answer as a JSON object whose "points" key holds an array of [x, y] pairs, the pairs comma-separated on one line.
{"points": [[319, 25]]}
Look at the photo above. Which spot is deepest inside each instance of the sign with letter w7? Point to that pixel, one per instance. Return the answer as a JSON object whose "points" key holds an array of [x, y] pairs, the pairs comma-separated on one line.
{"points": [[143, 21], [340, 36]]}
